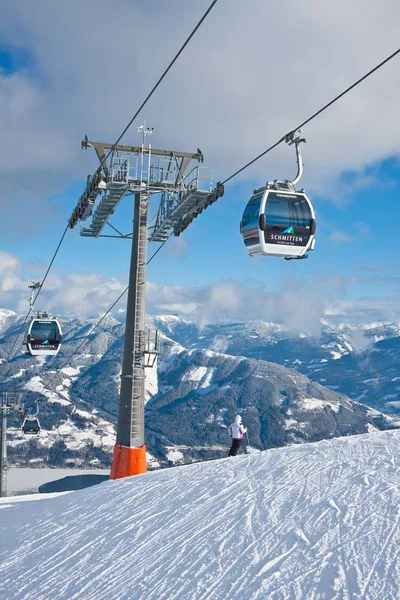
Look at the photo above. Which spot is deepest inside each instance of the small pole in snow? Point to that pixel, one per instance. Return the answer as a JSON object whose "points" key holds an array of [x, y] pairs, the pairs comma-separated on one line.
{"points": [[248, 443], [250, 450]]}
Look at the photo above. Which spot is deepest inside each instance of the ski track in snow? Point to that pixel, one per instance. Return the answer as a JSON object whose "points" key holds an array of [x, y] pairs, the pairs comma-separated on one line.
{"points": [[314, 522]]}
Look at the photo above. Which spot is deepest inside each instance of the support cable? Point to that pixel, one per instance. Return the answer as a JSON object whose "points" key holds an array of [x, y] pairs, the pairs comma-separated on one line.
{"points": [[17, 336], [51, 264], [314, 115], [177, 55], [112, 148], [381, 64], [9, 356], [46, 386], [149, 95]]}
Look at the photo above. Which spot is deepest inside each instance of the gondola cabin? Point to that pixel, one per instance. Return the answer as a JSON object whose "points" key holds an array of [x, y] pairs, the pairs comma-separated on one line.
{"points": [[44, 336], [31, 426], [278, 221]]}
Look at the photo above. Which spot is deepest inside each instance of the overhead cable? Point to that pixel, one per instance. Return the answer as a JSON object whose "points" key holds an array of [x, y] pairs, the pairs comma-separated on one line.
{"points": [[18, 334], [50, 265], [314, 115], [177, 55], [46, 386], [149, 95], [9, 356]]}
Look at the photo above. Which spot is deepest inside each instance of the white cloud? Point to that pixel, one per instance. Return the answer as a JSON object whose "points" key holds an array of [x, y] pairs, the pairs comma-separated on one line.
{"points": [[220, 343], [225, 296], [292, 304], [11, 283], [359, 230], [298, 305], [72, 293], [82, 294], [363, 228], [8, 262], [177, 307], [360, 342], [339, 237], [177, 247]]}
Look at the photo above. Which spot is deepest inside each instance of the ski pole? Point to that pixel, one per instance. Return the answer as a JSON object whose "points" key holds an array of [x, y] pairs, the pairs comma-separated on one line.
{"points": [[249, 448]]}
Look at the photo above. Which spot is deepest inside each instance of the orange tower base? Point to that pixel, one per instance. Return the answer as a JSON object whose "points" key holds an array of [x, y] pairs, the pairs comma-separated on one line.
{"points": [[128, 461]]}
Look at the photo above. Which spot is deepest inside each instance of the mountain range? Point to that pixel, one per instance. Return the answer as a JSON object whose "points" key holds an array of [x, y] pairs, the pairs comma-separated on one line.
{"points": [[360, 361], [288, 389]]}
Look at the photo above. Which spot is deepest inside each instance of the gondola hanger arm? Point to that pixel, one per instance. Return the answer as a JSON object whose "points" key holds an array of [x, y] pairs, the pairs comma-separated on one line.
{"points": [[294, 138]]}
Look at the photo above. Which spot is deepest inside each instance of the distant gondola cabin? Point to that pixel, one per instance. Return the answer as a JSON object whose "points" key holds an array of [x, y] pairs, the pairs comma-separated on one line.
{"points": [[44, 336], [31, 426]]}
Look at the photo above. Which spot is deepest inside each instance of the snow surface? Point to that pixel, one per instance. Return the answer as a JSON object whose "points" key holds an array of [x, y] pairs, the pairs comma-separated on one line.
{"points": [[317, 404], [174, 455], [314, 522], [6, 502], [19, 374], [151, 381], [36, 385], [170, 319], [195, 374], [70, 371], [203, 376]]}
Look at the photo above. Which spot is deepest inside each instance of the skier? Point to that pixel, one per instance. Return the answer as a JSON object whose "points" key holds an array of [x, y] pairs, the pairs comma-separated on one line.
{"points": [[236, 430]]}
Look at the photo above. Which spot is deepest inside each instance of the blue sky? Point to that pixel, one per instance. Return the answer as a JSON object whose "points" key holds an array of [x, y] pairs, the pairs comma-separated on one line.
{"points": [[355, 239], [351, 160]]}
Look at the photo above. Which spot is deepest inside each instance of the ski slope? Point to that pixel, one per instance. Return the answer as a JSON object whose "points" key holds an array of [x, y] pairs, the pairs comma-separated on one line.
{"points": [[315, 521]]}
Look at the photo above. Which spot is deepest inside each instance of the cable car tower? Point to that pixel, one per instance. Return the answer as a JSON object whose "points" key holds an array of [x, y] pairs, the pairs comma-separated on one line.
{"points": [[140, 171]]}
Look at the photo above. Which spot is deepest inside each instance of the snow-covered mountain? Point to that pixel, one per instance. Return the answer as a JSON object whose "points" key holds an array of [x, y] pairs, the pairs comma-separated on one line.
{"points": [[73, 434], [7, 317], [194, 396], [316, 521], [200, 392], [362, 362]]}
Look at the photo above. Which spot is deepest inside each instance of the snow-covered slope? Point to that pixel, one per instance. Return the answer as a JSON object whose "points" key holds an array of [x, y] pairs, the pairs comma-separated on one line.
{"points": [[312, 522]]}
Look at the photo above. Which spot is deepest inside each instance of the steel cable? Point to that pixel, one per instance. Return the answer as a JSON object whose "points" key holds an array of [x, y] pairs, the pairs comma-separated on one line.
{"points": [[149, 95], [346, 91], [177, 55], [46, 386], [9, 356]]}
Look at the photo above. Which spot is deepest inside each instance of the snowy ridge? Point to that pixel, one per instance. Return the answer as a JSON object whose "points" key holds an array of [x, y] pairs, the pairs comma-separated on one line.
{"points": [[317, 521], [280, 406], [341, 358], [7, 318]]}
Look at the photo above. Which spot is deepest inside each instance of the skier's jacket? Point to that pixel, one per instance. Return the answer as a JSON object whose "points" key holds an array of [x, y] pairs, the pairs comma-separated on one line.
{"points": [[237, 429]]}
